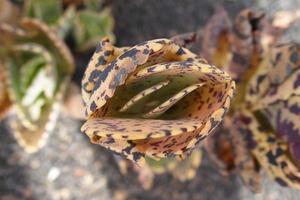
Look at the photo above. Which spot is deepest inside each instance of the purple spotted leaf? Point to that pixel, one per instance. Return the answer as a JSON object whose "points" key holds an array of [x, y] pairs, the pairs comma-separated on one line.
{"points": [[156, 99]]}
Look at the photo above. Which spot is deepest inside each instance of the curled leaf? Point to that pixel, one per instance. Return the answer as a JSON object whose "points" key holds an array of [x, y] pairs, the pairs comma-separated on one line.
{"points": [[267, 76], [270, 151], [188, 40], [228, 148], [156, 99], [284, 117], [216, 39], [220, 149], [278, 76]]}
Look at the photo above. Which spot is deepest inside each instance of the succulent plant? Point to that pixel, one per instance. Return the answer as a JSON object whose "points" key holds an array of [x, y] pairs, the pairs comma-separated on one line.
{"points": [[39, 66], [90, 27], [87, 25], [261, 128], [156, 99], [48, 12]]}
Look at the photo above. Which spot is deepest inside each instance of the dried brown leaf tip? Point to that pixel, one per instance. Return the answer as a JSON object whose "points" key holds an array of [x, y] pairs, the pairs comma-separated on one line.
{"points": [[4, 98], [156, 99], [262, 124]]}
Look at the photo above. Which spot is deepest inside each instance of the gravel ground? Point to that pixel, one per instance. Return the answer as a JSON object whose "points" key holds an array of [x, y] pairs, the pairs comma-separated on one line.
{"points": [[69, 167]]}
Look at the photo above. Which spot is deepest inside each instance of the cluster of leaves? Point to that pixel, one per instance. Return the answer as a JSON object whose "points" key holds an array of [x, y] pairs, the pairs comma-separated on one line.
{"points": [[85, 23], [153, 103], [37, 65], [156, 101], [261, 130], [145, 101]]}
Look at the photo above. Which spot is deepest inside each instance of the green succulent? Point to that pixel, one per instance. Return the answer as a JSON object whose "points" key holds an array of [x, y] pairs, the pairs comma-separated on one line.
{"points": [[86, 26], [39, 66]]}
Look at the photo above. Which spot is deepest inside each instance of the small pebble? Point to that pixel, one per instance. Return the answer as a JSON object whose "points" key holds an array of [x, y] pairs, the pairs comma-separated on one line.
{"points": [[53, 174]]}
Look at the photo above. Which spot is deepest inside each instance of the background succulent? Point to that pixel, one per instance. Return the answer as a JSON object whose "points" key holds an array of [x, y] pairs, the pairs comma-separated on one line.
{"points": [[39, 66], [261, 124], [86, 22]]}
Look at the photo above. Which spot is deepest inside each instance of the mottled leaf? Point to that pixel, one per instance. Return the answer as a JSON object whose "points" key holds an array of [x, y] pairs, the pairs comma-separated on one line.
{"points": [[267, 85], [187, 101], [284, 117], [271, 152], [277, 78]]}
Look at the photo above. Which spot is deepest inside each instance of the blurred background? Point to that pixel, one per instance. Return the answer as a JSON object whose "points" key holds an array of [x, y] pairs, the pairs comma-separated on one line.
{"points": [[70, 167]]}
